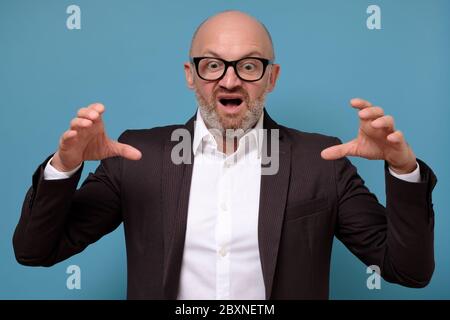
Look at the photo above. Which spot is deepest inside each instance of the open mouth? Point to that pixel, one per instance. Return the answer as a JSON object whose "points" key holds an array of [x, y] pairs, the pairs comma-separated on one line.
{"points": [[235, 102]]}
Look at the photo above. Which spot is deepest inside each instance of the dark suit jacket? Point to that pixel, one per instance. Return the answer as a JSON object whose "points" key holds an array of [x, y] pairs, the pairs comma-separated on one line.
{"points": [[302, 207]]}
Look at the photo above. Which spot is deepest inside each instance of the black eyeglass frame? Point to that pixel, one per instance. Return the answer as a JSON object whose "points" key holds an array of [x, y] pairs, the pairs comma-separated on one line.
{"points": [[196, 62]]}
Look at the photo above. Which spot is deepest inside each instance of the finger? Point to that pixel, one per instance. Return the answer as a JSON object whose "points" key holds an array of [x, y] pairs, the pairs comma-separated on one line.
{"points": [[370, 113], [359, 103], [126, 151], [100, 108], [337, 152], [69, 134], [396, 137], [88, 113], [68, 137], [386, 122], [80, 123]]}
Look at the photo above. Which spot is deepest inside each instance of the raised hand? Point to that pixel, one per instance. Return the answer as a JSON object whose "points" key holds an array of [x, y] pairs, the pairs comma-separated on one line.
{"points": [[377, 139], [86, 139]]}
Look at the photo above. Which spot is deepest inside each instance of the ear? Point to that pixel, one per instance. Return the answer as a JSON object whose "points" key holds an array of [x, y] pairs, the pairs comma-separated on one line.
{"points": [[273, 77], [189, 73]]}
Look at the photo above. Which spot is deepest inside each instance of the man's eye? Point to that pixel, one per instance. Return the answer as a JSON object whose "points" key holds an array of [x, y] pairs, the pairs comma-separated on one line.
{"points": [[213, 65], [249, 67]]}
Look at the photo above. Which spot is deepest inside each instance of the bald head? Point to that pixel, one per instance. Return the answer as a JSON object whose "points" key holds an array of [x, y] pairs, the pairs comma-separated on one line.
{"points": [[232, 33]]}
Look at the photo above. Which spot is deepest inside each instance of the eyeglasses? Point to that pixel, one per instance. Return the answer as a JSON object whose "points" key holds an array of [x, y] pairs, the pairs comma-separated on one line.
{"points": [[249, 69]]}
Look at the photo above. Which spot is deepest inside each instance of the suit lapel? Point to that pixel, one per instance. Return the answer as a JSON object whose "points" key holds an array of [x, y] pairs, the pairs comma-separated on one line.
{"points": [[273, 194], [176, 181]]}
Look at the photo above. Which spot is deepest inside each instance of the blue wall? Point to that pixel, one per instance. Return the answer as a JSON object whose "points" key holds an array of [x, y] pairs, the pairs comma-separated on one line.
{"points": [[129, 55]]}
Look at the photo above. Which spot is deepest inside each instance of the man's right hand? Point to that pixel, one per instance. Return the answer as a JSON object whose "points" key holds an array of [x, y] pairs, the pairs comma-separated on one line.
{"points": [[86, 139]]}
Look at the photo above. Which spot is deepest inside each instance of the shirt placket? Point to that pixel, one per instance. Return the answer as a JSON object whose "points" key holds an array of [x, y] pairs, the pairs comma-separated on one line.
{"points": [[223, 233]]}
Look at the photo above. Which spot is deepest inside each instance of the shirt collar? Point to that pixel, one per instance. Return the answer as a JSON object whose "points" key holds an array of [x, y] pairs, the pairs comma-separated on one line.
{"points": [[201, 133]]}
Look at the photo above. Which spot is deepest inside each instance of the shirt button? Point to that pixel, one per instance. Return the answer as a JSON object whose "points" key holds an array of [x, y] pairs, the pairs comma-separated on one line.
{"points": [[224, 206], [223, 252]]}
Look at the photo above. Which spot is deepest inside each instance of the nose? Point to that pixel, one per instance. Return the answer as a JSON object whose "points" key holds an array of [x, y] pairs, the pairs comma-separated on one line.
{"points": [[230, 80]]}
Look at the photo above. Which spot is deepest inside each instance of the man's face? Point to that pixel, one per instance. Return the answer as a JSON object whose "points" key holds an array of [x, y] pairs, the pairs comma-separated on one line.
{"points": [[230, 102]]}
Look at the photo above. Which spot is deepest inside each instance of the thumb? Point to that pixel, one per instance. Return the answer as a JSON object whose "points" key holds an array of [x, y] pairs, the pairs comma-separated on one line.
{"points": [[337, 151], [126, 151]]}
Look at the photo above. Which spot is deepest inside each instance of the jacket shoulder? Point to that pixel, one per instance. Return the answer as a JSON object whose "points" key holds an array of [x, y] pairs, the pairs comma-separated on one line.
{"points": [[149, 136], [309, 140]]}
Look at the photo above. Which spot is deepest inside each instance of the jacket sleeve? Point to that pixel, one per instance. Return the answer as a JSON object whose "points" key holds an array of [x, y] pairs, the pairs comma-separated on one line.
{"points": [[398, 238], [58, 221]]}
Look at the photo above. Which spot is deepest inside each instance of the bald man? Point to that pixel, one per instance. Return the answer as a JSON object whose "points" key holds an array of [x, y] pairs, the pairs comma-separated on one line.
{"points": [[216, 225]]}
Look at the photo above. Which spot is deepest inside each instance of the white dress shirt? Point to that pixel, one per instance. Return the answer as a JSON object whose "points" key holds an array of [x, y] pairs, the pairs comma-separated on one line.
{"points": [[221, 253]]}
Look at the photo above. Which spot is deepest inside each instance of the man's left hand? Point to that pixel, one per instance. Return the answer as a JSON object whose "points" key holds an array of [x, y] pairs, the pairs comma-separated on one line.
{"points": [[377, 139]]}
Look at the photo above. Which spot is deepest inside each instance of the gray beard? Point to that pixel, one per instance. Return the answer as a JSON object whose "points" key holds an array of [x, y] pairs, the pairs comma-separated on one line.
{"points": [[237, 127]]}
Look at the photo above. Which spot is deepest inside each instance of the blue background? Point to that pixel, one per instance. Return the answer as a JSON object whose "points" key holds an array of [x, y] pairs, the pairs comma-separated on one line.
{"points": [[129, 55]]}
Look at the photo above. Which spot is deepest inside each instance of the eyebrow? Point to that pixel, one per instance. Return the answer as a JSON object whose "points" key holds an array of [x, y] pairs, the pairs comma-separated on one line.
{"points": [[250, 54]]}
